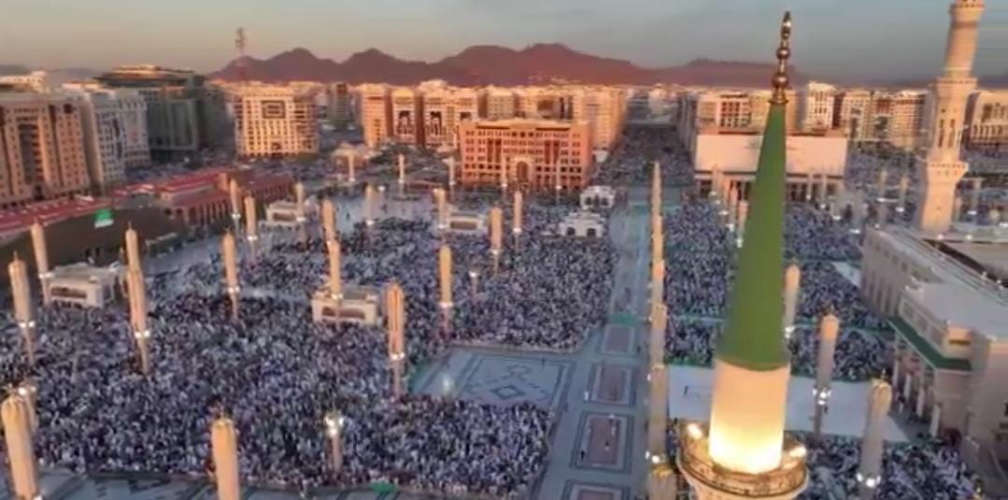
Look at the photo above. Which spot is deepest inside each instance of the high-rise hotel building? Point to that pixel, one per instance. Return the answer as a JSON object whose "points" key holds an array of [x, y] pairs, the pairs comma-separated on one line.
{"points": [[375, 113], [42, 153], [527, 153], [115, 128], [274, 120]]}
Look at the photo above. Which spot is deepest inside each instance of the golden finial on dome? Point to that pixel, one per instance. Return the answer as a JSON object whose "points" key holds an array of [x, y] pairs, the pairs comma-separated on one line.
{"points": [[780, 78]]}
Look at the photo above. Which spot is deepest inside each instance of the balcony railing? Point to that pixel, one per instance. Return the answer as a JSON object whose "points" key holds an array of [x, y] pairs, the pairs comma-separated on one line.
{"points": [[694, 460]]}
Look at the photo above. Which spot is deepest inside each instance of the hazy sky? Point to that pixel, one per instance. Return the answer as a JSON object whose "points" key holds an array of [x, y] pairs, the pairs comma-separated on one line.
{"points": [[852, 38]]}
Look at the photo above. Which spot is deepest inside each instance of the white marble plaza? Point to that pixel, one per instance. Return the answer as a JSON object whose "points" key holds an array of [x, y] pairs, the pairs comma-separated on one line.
{"points": [[690, 390]]}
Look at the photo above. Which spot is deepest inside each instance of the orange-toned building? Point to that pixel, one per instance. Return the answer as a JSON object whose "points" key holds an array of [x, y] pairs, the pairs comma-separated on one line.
{"points": [[529, 154], [201, 198]]}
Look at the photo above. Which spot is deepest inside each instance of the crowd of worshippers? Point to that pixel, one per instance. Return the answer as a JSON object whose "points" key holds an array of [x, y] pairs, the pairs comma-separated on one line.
{"points": [[859, 355], [699, 264], [548, 292], [277, 374], [931, 469], [631, 161]]}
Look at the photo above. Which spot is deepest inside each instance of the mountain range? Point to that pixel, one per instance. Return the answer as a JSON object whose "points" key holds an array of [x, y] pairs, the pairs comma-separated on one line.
{"points": [[496, 65], [491, 64]]}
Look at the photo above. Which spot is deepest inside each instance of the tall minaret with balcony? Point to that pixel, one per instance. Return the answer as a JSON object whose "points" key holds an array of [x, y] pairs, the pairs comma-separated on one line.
{"points": [[743, 452], [941, 169]]}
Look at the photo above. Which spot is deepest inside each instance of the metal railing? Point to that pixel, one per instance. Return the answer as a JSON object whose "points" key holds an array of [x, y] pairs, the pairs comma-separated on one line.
{"points": [[694, 459]]}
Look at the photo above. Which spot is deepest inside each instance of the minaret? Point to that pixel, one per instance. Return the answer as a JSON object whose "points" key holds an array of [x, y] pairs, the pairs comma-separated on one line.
{"points": [[941, 169], [132, 249], [395, 312], [743, 452]]}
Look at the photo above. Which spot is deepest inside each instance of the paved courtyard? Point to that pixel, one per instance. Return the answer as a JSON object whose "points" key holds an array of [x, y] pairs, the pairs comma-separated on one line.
{"points": [[690, 393]]}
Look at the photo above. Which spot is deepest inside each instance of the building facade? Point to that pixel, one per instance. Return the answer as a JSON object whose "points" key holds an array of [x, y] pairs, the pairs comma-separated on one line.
{"points": [[376, 114], [407, 113], [274, 120], [338, 106], [951, 337], [987, 121], [500, 103], [36, 81], [604, 110], [817, 105], [183, 115], [42, 152], [531, 154], [115, 127]]}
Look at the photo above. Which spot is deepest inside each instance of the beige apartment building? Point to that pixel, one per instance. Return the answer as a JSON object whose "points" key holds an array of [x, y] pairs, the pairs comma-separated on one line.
{"points": [[338, 107], [853, 116], [526, 154], [42, 152], [407, 116], [949, 314], [183, 115], [987, 121], [274, 120], [500, 103], [604, 108], [376, 114], [816, 103], [728, 111]]}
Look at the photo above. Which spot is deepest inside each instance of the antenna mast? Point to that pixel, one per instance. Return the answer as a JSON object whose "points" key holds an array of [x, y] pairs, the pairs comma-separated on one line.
{"points": [[240, 48]]}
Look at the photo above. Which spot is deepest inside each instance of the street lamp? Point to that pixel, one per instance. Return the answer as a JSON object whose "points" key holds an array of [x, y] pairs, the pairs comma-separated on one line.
{"points": [[334, 422], [474, 277]]}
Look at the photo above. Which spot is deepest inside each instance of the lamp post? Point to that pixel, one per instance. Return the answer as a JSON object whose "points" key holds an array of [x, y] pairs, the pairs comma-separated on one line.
{"points": [[474, 278], [334, 423]]}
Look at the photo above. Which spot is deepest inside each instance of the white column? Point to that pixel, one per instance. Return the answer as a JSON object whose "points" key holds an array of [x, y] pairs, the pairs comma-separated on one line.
{"points": [[224, 444], [868, 475], [935, 419], [334, 423], [20, 454], [792, 281]]}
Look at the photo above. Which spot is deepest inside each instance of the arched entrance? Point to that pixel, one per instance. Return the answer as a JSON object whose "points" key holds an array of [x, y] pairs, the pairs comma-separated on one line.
{"points": [[523, 172]]}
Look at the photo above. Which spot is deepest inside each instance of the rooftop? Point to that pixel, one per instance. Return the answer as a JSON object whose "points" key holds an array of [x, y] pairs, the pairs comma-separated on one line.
{"points": [[959, 294]]}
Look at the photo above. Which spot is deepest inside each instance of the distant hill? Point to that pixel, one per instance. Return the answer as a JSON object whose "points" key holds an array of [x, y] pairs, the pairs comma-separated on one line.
{"points": [[13, 69], [492, 64]]}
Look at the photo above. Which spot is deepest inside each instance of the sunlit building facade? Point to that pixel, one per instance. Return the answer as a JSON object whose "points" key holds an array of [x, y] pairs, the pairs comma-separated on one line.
{"points": [[528, 154]]}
